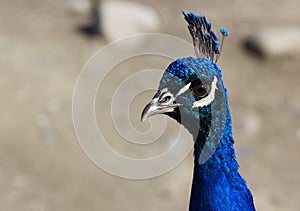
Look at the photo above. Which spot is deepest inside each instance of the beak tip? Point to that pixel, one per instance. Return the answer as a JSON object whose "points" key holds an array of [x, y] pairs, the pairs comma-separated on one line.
{"points": [[145, 112], [144, 116], [142, 119]]}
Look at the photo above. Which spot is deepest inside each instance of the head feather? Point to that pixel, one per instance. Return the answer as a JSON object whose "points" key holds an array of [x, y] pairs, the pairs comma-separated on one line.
{"points": [[206, 42]]}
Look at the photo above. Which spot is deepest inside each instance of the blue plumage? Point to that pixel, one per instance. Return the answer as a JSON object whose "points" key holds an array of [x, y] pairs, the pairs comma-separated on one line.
{"points": [[192, 92]]}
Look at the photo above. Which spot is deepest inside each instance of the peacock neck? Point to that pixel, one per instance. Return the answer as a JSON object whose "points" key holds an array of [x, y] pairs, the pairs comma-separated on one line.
{"points": [[217, 184]]}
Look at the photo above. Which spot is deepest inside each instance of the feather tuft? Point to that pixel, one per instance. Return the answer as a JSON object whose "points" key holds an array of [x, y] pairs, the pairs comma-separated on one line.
{"points": [[206, 42]]}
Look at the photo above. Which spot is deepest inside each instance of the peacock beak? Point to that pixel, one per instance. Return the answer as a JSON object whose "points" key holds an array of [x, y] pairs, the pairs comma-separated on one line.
{"points": [[157, 107], [149, 110]]}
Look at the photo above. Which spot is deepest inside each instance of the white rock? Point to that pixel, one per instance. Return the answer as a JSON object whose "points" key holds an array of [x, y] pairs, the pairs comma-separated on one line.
{"points": [[275, 41], [119, 19], [125, 18], [77, 7]]}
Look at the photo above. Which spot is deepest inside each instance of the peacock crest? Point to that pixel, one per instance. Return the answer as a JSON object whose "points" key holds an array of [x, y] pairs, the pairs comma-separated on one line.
{"points": [[206, 43]]}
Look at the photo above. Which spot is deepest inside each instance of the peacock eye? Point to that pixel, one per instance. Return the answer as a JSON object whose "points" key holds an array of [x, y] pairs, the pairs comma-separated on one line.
{"points": [[199, 89], [165, 99]]}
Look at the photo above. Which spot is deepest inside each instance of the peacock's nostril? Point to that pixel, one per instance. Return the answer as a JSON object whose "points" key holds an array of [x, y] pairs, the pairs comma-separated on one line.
{"points": [[165, 99]]}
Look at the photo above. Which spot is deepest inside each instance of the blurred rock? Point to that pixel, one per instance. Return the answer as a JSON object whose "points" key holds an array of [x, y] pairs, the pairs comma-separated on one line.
{"points": [[274, 42], [116, 19], [125, 18], [77, 7]]}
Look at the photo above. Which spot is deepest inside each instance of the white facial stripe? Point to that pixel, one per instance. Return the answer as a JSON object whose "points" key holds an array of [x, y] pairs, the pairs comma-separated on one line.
{"points": [[169, 110], [184, 89], [210, 97]]}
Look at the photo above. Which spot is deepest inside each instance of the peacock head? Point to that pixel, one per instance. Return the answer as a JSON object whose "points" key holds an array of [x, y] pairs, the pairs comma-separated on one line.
{"points": [[191, 89]]}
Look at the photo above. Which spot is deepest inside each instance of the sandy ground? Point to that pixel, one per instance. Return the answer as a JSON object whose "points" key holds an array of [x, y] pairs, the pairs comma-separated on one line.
{"points": [[41, 163]]}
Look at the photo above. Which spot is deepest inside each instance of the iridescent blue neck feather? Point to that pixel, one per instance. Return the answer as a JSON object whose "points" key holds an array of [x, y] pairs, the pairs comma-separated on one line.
{"points": [[217, 184]]}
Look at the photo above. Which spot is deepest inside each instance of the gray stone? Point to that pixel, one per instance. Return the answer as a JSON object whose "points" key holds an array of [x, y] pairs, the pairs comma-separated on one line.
{"points": [[131, 17], [119, 19], [77, 7], [274, 42]]}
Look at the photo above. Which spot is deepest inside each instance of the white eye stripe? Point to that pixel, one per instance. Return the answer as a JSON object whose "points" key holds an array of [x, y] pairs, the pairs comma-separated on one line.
{"points": [[209, 98], [184, 89]]}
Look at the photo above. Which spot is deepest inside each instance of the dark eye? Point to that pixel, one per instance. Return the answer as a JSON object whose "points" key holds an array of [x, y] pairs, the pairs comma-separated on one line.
{"points": [[199, 89], [165, 99]]}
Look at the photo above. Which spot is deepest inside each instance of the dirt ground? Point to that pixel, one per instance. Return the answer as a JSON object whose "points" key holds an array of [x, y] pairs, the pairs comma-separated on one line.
{"points": [[41, 163]]}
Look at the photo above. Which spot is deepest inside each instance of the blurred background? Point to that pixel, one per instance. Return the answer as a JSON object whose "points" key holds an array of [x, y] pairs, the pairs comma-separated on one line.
{"points": [[45, 44]]}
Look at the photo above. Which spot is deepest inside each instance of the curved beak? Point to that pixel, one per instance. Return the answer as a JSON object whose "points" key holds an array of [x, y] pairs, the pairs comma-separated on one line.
{"points": [[154, 107], [150, 110]]}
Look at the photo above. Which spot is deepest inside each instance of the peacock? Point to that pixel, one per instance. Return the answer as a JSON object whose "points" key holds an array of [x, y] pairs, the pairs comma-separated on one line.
{"points": [[192, 92]]}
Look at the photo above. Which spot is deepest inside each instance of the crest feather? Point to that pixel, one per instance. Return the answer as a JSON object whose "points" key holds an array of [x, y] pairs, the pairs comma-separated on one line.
{"points": [[206, 42]]}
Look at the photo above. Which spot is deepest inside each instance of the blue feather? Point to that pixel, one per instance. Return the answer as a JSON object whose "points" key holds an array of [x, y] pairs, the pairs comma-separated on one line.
{"points": [[224, 32]]}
